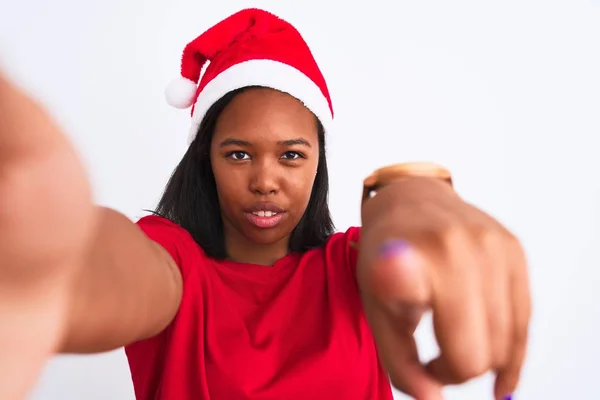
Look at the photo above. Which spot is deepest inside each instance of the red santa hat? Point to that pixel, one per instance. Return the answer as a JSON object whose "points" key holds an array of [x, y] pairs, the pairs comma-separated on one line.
{"points": [[249, 48]]}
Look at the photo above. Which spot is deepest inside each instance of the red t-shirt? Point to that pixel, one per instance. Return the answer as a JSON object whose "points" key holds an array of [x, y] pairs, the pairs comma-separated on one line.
{"points": [[292, 331]]}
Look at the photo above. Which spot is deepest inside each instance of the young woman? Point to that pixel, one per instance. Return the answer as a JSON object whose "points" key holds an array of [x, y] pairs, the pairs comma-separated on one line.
{"points": [[238, 287]]}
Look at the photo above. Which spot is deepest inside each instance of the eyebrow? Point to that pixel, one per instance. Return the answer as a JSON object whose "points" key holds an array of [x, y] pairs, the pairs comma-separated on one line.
{"points": [[243, 143], [234, 142]]}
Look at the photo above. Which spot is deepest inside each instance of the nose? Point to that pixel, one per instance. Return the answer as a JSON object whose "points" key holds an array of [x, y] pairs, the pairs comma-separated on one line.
{"points": [[265, 178]]}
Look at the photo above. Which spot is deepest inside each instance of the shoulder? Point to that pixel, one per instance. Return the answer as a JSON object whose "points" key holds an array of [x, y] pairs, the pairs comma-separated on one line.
{"points": [[163, 230], [341, 238], [154, 224], [173, 238], [341, 246]]}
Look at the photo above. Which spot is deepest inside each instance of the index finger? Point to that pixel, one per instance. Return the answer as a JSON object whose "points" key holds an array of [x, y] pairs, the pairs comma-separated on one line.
{"points": [[459, 320]]}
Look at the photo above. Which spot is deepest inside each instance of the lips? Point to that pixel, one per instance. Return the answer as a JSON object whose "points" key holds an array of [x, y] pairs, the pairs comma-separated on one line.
{"points": [[258, 207], [264, 215]]}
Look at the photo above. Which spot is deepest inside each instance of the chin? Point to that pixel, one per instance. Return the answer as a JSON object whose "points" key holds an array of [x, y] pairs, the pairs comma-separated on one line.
{"points": [[267, 237]]}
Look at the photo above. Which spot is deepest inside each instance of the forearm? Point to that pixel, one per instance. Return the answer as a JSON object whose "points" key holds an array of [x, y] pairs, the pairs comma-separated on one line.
{"points": [[102, 279], [129, 288]]}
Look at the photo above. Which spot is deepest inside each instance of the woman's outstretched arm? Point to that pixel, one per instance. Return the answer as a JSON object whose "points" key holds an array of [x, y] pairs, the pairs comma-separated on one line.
{"points": [[423, 248], [74, 277], [128, 289]]}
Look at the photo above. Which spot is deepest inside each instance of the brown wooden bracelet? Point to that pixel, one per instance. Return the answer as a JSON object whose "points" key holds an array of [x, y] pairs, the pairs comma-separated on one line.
{"points": [[386, 175]]}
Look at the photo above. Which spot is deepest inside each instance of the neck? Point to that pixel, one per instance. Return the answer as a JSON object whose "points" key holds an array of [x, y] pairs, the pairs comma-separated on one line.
{"points": [[241, 249]]}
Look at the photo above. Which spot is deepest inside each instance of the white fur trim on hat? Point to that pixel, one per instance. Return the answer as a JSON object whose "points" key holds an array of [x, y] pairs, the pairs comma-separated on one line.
{"points": [[267, 73]]}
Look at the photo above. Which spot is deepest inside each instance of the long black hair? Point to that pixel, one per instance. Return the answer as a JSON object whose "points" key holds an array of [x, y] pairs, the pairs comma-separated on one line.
{"points": [[190, 197]]}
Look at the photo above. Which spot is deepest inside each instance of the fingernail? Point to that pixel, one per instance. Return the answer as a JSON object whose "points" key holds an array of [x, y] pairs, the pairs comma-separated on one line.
{"points": [[508, 397], [393, 248]]}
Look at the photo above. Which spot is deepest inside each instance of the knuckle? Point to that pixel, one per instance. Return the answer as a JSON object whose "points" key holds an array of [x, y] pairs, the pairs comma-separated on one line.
{"points": [[512, 240], [471, 369], [451, 237], [455, 233], [513, 244], [487, 238], [493, 241], [517, 249]]}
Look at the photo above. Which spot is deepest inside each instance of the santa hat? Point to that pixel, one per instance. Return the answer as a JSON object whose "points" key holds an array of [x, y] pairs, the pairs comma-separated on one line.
{"points": [[249, 48]]}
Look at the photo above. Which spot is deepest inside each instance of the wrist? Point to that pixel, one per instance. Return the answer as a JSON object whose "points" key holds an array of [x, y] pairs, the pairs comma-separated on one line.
{"points": [[388, 175], [391, 183]]}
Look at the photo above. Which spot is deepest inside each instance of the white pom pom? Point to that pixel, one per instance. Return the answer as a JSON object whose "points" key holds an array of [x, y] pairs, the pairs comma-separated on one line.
{"points": [[181, 92]]}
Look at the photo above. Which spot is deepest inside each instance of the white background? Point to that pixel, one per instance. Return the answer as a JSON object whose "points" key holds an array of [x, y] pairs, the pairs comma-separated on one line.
{"points": [[507, 95]]}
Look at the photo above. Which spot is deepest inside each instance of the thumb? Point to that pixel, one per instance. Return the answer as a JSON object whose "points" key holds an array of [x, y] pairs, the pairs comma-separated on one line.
{"points": [[398, 293], [397, 278]]}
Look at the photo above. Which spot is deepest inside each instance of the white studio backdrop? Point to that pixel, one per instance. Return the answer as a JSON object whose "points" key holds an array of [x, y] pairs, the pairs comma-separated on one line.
{"points": [[505, 94]]}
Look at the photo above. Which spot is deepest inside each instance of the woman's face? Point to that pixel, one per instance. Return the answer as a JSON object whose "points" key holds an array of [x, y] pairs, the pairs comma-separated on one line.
{"points": [[264, 156]]}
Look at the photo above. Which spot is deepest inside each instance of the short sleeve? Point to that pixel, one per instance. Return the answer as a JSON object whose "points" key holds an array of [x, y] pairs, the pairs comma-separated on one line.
{"points": [[342, 247], [172, 237]]}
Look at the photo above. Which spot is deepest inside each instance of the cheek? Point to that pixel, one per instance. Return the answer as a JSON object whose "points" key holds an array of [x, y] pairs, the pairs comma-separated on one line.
{"points": [[302, 186], [228, 182]]}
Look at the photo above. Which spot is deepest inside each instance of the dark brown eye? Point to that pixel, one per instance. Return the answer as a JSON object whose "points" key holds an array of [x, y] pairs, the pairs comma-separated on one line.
{"points": [[238, 155], [292, 155]]}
